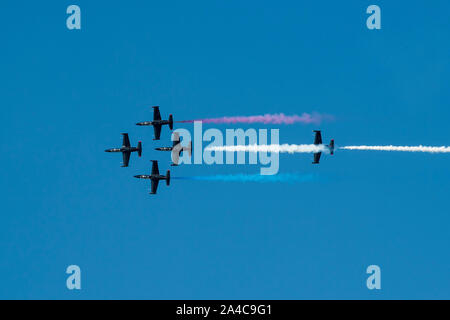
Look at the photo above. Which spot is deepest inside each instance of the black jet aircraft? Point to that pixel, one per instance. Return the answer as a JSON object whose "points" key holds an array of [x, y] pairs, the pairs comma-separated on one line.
{"points": [[177, 148], [127, 149], [155, 177], [318, 141], [157, 123]]}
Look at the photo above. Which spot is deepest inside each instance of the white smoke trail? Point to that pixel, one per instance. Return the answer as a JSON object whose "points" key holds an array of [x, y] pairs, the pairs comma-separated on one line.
{"points": [[420, 148], [277, 148]]}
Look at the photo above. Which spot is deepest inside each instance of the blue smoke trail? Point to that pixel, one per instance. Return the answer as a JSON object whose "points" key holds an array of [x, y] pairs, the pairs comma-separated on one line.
{"points": [[282, 177]]}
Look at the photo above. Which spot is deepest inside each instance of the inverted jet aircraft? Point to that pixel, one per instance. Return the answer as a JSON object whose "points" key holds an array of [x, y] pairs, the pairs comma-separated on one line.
{"points": [[127, 149], [155, 177], [318, 141], [176, 148], [157, 123]]}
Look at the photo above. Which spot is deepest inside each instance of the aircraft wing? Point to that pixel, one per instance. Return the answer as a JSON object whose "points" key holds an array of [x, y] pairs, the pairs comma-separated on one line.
{"points": [[154, 186], [155, 169], [176, 139], [126, 140], [157, 130], [126, 158], [318, 138], [317, 157], [156, 114]]}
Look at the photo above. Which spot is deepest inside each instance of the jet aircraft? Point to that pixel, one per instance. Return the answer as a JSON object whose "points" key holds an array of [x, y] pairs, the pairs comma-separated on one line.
{"points": [[127, 149], [157, 122], [155, 177], [318, 141], [176, 148]]}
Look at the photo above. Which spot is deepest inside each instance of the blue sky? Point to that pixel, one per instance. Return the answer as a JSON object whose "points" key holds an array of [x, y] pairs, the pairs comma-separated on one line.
{"points": [[67, 96]]}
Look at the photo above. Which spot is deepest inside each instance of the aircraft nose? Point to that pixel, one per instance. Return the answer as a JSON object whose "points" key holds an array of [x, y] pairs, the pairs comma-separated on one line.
{"points": [[107, 150]]}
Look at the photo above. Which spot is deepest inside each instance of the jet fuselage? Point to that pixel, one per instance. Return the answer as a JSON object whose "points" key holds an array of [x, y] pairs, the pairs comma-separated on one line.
{"points": [[123, 149], [164, 149], [151, 176], [153, 123]]}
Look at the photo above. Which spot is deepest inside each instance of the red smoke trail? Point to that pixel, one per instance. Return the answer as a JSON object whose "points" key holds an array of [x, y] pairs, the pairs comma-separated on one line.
{"points": [[305, 118]]}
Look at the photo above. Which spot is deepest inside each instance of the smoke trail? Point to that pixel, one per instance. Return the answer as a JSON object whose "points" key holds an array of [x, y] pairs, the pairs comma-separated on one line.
{"points": [[420, 148], [282, 177], [278, 148], [305, 118]]}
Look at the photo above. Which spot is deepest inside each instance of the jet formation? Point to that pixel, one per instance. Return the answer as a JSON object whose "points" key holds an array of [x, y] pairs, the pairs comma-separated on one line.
{"points": [[157, 124], [177, 149]]}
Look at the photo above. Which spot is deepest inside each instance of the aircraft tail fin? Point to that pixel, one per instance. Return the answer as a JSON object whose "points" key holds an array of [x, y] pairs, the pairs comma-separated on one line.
{"points": [[189, 148], [171, 122], [332, 146], [139, 147], [168, 178]]}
